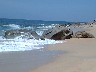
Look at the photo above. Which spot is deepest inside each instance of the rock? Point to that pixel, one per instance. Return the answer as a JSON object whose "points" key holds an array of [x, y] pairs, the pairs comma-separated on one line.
{"points": [[18, 32], [83, 34], [58, 33], [61, 36], [12, 33]]}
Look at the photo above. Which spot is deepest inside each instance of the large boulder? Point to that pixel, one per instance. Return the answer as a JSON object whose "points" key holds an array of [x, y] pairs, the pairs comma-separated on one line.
{"points": [[83, 34], [58, 33]]}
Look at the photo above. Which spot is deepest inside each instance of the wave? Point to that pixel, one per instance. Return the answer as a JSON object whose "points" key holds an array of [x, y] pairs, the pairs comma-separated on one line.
{"points": [[23, 42], [39, 32], [19, 44], [13, 26]]}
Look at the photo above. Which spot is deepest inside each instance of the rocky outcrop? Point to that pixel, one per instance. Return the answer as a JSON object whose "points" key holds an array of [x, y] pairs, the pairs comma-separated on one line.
{"points": [[83, 34], [18, 32], [58, 33], [61, 36]]}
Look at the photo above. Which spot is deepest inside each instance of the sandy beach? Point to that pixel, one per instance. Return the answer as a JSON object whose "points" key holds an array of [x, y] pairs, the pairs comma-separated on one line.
{"points": [[74, 55], [80, 55], [47, 35]]}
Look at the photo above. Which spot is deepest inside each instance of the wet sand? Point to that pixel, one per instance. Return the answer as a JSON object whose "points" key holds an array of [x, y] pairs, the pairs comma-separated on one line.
{"points": [[27, 60]]}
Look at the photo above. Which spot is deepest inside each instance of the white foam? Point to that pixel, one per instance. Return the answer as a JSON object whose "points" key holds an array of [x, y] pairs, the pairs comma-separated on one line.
{"points": [[29, 27], [39, 32], [13, 26], [46, 27], [18, 44]]}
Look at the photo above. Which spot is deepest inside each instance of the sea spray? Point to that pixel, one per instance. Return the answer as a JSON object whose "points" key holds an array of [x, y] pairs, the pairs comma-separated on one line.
{"points": [[22, 43], [19, 44]]}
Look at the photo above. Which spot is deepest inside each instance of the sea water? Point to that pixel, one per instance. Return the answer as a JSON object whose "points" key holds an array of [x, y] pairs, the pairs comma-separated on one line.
{"points": [[24, 44]]}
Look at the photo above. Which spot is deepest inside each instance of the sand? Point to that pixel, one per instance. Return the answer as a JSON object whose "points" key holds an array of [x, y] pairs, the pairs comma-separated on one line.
{"points": [[25, 60], [74, 55], [80, 55]]}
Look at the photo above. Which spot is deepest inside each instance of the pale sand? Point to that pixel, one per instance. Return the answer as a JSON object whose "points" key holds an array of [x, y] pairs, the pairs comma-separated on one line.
{"points": [[80, 56]]}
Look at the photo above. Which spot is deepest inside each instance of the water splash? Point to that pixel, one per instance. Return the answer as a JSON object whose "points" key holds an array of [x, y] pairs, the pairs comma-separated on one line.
{"points": [[19, 44]]}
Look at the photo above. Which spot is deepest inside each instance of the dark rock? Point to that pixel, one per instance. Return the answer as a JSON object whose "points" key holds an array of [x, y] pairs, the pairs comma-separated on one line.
{"points": [[58, 33], [58, 36], [62, 35], [83, 34]]}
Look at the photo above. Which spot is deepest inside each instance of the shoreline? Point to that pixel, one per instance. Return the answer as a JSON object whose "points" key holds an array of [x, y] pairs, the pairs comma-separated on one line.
{"points": [[80, 54], [74, 55], [80, 57], [23, 61]]}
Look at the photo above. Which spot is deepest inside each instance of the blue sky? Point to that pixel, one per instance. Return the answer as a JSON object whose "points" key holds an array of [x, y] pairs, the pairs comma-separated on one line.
{"points": [[61, 10]]}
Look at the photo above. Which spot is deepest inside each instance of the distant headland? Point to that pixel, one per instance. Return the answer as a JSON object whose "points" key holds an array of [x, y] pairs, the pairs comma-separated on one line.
{"points": [[25, 21]]}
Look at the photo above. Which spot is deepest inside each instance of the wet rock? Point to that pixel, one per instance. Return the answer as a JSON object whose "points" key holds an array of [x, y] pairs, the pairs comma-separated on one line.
{"points": [[58, 33], [83, 34], [24, 32], [12, 33], [61, 36]]}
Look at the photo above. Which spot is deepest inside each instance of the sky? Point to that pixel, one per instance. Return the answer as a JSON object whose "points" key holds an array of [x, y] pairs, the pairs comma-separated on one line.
{"points": [[60, 10]]}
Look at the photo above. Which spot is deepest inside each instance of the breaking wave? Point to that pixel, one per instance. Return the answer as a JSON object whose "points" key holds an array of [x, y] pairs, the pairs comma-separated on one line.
{"points": [[21, 43]]}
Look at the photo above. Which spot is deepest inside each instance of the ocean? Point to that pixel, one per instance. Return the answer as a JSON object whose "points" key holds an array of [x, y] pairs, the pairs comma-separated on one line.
{"points": [[21, 43]]}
